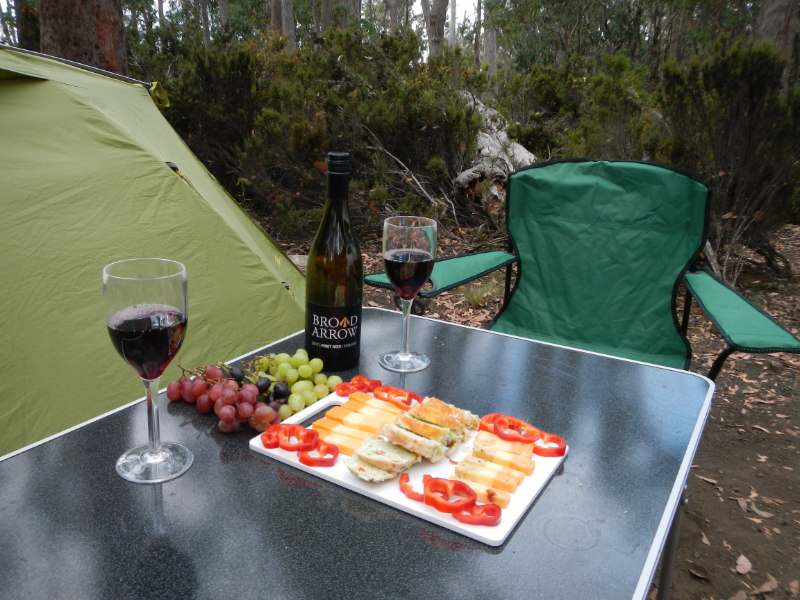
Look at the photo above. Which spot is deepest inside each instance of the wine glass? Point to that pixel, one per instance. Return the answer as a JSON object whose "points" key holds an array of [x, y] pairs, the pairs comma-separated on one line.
{"points": [[409, 247], [146, 308]]}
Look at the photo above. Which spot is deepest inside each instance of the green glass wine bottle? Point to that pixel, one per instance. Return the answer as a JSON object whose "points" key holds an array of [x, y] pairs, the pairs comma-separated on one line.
{"points": [[334, 278]]}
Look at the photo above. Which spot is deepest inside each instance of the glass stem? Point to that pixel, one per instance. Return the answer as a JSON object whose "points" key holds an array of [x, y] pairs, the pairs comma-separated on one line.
{"points": [[406, 306], [153, 433]]}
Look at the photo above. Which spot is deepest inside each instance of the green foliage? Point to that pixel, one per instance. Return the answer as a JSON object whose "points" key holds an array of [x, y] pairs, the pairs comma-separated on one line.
{"points": [[736, 125]]}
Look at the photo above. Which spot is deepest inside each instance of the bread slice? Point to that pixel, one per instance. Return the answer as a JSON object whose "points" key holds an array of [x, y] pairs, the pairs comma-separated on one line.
{"points": [[426, 447], [386, 456], [446, 415], [367, 472]]}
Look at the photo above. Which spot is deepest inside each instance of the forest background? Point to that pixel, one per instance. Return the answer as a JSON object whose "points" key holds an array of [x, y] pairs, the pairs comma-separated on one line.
{"points": [[262, 89]]}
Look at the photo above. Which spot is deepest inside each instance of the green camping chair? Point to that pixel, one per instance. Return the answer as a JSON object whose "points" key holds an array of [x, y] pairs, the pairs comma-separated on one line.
{"points": [[601, 249]]}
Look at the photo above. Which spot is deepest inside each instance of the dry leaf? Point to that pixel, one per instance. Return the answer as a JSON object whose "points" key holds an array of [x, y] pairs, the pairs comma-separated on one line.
{"points": [[770, 585], [709, 480], [704, 538], [760, 428], [743, 504], [794, 587], [740, 595], [759, 512], [743, 565]]}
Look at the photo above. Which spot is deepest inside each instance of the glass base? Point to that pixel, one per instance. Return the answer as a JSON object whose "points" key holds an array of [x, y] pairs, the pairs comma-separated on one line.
{"points": [[404, 362], [142, 466]]}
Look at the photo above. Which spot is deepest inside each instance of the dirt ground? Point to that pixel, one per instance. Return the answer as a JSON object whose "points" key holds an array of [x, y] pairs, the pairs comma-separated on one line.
{"points": [[740, 535]]}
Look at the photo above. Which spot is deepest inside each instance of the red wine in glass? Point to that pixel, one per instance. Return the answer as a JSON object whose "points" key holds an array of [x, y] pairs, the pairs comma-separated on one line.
{"points": [[147, 336], [408, 270]]}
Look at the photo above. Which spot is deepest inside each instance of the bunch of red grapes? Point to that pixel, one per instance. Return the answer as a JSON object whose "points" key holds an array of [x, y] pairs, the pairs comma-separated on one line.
{"points": [[233, 400]]}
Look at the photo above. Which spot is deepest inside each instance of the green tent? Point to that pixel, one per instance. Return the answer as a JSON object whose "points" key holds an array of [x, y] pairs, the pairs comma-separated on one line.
{"points": [[92, 173]]}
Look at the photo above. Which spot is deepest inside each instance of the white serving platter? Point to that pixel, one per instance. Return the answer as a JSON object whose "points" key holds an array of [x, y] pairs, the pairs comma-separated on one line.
{"points": [[389, 492]]}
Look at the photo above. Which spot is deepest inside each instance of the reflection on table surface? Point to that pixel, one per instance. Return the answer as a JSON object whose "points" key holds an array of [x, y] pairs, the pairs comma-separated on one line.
{"points": [[239, 524]]}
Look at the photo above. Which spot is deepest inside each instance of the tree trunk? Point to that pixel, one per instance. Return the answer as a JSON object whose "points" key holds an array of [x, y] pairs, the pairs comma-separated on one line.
{"points": [[435, 17], [477, 44], [276, 18], [347, 13], [394, 15], [89, 32], [490, 49], [161, 22], [288, 24], [204, 20], [27, 25], [452, 31], [777, 25], [223, 14]]}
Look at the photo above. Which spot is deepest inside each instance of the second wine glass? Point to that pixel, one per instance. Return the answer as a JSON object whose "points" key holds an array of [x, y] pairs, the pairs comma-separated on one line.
{"points": [[409, 249]]}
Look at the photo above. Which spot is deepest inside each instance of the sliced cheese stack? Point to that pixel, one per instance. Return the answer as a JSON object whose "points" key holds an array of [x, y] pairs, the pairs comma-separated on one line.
{"points": [[348, 425], [495, 467]]}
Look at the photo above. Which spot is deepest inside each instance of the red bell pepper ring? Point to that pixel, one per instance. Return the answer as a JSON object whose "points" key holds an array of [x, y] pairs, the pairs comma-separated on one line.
{"points": [[305, 439], [326, 455], [270, 436], [550, 445], [365, 384], [487, 422], [408, 489], [515, 430], [448, 496], [346, 388], [400, 398], [480, 514]]}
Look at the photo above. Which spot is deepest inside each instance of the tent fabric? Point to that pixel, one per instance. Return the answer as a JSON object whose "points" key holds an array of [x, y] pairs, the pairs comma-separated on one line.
{"points": [[602, 247], [85, 181], [743, 325]]}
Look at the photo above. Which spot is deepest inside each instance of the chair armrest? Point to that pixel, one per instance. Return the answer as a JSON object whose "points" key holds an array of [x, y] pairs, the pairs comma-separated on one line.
{"points": [[744, 326], [453, 271]]}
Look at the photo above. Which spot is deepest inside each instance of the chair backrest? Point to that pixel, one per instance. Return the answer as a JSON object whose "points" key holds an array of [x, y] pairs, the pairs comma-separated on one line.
{"points": [[601, 248]]}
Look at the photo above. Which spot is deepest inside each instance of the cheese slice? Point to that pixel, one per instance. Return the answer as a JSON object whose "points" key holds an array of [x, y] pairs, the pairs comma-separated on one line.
{"points": [[326, 424], [475, 472], [524, 464], [487, 494], [368, 409], [484, 439], [511, 475], [367, 399], [347, 445], [366, 422]]}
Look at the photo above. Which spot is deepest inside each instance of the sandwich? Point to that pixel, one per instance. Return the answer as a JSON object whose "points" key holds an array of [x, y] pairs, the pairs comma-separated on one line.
{"points": [[389, 457]]}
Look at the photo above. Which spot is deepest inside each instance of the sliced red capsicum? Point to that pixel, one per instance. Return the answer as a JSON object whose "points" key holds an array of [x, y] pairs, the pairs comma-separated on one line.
{"points": [[270, 436], [326, 455], [550, 445], [400, 398], [448, 496], [515, 430], [408, 489], [480, 514], [305, 439], [365, 384]]}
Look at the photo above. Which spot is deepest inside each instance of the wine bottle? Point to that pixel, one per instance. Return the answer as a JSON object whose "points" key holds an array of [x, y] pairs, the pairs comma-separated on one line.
{"points": [[334, 277]]}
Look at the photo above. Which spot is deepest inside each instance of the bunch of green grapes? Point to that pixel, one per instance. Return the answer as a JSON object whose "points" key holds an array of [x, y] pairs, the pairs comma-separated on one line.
{"points": [[295, 381]]}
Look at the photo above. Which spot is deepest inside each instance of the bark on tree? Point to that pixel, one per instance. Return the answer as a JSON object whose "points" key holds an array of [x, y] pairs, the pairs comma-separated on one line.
{"points": [[435, 16], [27, 25], [276, 19], [223, 13], [452, 30], [394, 15], [205, 24], [161, 13], [477, 44], [288, 24], [346, 13], [90, 32], [777, 24], [490, 49]]}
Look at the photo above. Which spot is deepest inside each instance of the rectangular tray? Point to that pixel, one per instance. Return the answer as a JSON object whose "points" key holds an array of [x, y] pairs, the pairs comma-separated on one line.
{"points": [[389, 492]]}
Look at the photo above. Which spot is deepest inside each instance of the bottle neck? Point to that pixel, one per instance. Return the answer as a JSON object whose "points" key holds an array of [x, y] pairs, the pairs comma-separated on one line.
{"points": [[338, 184]]}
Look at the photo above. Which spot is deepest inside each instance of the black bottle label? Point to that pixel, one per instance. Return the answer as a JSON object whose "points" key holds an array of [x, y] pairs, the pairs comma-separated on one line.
{"points": [[333, 333]]}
